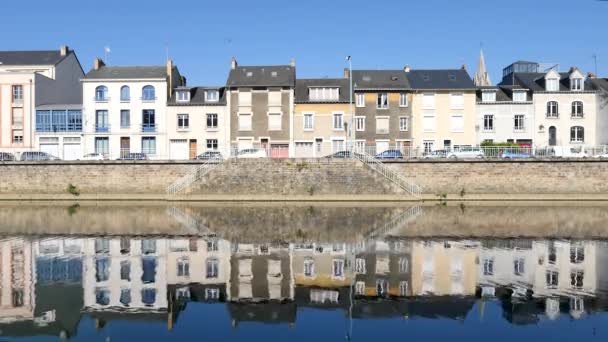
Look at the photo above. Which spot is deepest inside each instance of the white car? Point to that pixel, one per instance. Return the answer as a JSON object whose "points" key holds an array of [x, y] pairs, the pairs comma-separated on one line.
{"points": [[252, 153], [466, 153], [93, 156], [569, 152]]}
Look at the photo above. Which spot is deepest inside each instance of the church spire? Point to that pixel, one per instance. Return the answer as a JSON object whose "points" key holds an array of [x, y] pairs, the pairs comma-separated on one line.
{"points": [[482, 78]]}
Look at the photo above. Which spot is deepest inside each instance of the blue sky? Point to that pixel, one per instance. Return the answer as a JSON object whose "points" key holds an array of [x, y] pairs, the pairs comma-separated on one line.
{"points": [[202, 35]]}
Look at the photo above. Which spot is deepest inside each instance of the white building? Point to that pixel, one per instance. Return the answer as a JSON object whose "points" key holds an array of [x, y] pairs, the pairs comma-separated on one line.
{"points": [[125, 109], [197, 122]]}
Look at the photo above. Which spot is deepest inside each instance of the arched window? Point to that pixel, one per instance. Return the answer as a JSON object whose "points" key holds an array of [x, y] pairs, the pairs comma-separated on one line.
{"points": [[577, 134], [125, 93], [101, 93], [552, 109], [148, 93], [577, 109]]}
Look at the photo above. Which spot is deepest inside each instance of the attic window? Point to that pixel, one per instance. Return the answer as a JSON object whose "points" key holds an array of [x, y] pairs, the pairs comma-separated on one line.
{"points": [[576, 84], [273, 74], [211, 95], [452, 77], [394, 78], [249, 74], [183, 96], [426, 77], [367, 78]]}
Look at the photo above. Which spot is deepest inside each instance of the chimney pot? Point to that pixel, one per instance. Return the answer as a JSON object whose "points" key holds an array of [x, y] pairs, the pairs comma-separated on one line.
{"points": [[407, 68], [464, 67], [346, 73], [591, 75], [63, 50], [292, 62], [98, 63], [233, 63]]}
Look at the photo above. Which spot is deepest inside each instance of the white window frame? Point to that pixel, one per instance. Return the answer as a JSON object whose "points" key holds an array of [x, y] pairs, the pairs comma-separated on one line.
{"points": [[490, 116], [403, 100], [552, 84], [523, 122], [454, 105], [407, 123], [272, 114], [522, 96], [488, 96], [456, 129], [428, 145], [240, 128], [434, 128], [360, 100], [181, 97], [333, 121], [180, 119], [388, 124], [576, 84], [380, 97], [312, 121], [215, 98], [360, 123], [426, 105]]}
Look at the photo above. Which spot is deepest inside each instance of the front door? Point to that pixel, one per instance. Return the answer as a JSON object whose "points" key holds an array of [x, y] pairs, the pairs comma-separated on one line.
{"points": [[552, 136], [192, 149], [125, 146]]}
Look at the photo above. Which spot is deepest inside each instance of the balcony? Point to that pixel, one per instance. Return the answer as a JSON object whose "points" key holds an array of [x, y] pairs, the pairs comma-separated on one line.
{"points": [[577, 115], [56, 128], [101, 99], [147, 99], [148, 127], [552, 115], [102, 128]]}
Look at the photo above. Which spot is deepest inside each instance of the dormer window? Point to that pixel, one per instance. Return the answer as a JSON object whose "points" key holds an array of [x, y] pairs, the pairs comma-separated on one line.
{"points": [[488, 96], [183, 95], [576, 84], [323, 94], [519, 96], [212, 95], [552, 84]]}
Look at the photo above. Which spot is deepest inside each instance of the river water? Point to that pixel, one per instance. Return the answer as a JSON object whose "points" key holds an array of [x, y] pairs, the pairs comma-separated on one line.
{"points": [[298, 272]]}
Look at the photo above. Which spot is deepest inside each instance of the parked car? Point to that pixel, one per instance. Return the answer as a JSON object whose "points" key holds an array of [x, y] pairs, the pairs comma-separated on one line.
{"points": [[437, 154], [93, 156], [5, 156], [252, 153], [569, 152], [342, 155], [210, 155], [134, 156], [389, 154], [466, 153], [515, 154], [37, 156]]}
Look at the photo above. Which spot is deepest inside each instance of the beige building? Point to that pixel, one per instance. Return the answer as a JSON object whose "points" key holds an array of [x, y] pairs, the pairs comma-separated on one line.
{"points": [[17, 298]]}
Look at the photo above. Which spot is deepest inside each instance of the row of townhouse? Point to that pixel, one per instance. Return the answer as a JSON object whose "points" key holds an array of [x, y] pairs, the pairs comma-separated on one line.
{"points": [[48, 103]]}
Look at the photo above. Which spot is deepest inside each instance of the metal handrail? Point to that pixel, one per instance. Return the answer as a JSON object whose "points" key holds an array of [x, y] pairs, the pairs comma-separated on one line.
{"points": [[198, 173], [390, 174]]}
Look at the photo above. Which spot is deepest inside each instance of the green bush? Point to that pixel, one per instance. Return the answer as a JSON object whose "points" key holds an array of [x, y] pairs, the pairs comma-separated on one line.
{"points": [[72, 189]]}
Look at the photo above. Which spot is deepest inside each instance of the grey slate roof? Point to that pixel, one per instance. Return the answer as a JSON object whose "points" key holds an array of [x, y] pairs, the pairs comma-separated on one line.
{"points": [[302, 86], [503, 93], [197, 97], [380, 79], [128, 72], [51, 57], [600, 83], [262, 76], [535, 81], [440, 79]]}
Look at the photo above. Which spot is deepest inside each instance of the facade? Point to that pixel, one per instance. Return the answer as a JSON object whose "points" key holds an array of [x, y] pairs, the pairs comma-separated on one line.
{"points": [[260, 100], [197, 122], [321, 116], [443, 108], [565, 104], [383, 110], [125, 109], [41, 102], [17, 279]]}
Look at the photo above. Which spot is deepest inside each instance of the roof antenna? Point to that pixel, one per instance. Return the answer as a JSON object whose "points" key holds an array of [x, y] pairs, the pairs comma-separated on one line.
{"points": [[167, 50], [595, 62], [106, 52]]}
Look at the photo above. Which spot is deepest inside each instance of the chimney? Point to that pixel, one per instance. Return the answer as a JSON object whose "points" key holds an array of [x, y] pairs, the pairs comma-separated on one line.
{"points": [[463, 67], [346, 73], [292, 62], [63, 50], [591, 75], [170, 76], [233, 63], [407, 68], [98, 63]]}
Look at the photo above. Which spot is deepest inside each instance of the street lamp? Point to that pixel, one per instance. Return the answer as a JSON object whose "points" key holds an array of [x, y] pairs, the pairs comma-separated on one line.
{"points": [[352, 115]]}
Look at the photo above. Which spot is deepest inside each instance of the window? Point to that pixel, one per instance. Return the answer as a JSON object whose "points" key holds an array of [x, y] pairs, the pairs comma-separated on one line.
{"points": [[577, 254], [212, 120], [212, 144], [274, 121], [212, 245], [428, 101], [404, 123], [245, 98], [102, 296], [457, 101], [148, 296], [125, 297], [382, 102], [102, 269], [212, 95], [519, 96], [577, 109], [183, 95], [183, 121], [360, 146], [212, 294], [488, 96], [382, 125], [323, 94], [552, 109], [101, 121], [125, 93], [429, 146], [274, 98], [212, 268], [552, 84], [148, 93], [577, 134], [360, 123], [518, 124], [309, 267], [338, 121], [149, 120], [381, 287], [488, 122], [360, 266], [552, 279], [148, 246], [576, 84], [309, 121], [17, 136], [457, 123], [403, 265], [360, 288], [403, 288], [360, 100], [102, 146], [519, 266], [428, 123], [18, 93], [403, 100], [125, 270], [148, 145], [576, 279], [101, 93], [338, 268], [148, 265], [488, 267], [244, 122], [183, 267], [125, 118]]}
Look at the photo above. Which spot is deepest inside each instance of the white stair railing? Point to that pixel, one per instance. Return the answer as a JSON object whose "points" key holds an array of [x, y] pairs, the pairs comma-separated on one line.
{"points": [[399, 223], [194, 176], [406, 184]]}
